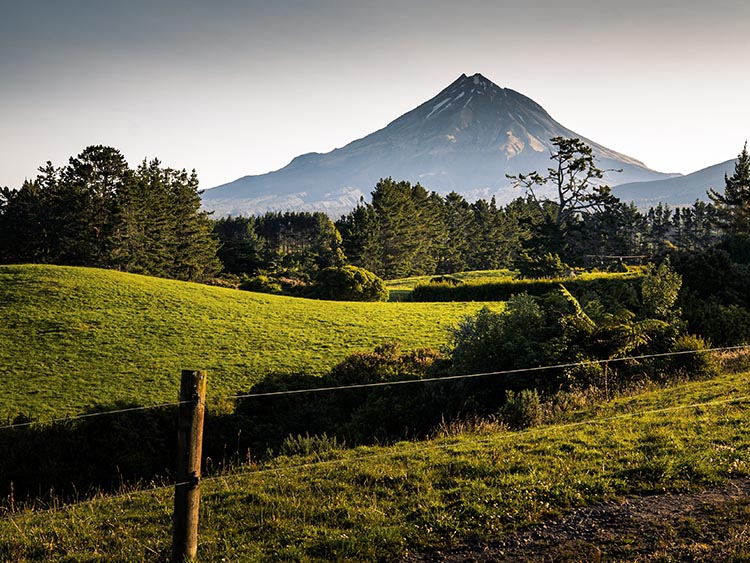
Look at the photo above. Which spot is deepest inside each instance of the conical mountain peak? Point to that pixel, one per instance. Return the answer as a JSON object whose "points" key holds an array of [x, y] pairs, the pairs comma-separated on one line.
{"points": [[464, 139]]}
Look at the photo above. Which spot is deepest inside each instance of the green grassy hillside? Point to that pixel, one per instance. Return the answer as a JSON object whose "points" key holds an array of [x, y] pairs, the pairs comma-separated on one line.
{"points": [[378, 504], [74, 337], [402, 287]]}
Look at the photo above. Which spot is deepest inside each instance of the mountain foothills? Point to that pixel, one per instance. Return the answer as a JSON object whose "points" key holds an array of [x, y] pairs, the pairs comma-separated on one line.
{"points": [[677, 191], [465, 139]]}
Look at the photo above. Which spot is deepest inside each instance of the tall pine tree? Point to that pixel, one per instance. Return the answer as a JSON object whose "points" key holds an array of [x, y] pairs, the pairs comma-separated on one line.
{"points": [[733, 206]]}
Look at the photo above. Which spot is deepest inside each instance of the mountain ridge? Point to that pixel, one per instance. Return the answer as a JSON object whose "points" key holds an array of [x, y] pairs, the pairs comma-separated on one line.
{"points": [[678, 191], [464, 139]]}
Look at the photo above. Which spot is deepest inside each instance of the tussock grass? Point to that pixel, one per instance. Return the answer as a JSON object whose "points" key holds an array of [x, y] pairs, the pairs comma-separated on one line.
{"points": [[73, 337], [378, 504]]}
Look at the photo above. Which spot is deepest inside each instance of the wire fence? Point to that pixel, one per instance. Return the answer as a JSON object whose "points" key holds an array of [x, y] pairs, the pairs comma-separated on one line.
{"points": [[425, 380], [424, 447], [348, 459]]}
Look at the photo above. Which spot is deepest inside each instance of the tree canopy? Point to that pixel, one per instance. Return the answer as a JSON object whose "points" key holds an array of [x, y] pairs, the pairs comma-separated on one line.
{"points": [[733, 206], [97, 211]]}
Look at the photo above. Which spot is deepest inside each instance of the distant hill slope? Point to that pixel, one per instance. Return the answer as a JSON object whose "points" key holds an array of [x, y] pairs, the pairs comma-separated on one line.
{"points": [[73, 337], [682, 190], [465, 139]]}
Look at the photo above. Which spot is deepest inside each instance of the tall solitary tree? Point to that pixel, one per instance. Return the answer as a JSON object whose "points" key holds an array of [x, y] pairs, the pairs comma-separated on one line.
{"points": [[574, 176], [733, 206]]}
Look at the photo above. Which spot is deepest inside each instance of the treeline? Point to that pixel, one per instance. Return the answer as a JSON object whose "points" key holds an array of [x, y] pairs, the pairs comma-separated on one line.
{"points": [[408, 231], [97, 211]]}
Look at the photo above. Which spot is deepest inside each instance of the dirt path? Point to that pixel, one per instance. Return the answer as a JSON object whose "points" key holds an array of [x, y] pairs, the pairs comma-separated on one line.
{"points": [[713, 525]]}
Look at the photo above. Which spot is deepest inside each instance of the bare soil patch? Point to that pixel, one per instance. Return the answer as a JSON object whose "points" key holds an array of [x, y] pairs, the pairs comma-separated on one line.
{"points": [[707, 526]]}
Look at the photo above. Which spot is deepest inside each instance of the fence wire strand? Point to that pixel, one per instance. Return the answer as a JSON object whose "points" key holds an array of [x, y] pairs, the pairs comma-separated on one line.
{"points": [[382, 384], [91, 415], [342, 460]]}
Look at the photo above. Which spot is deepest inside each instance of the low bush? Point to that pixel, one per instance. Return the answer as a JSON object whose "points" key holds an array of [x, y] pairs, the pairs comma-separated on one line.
{"points": [[522, 409], [544, 265], [261, 284], [349, 283], [623, 288], [693, 361]]}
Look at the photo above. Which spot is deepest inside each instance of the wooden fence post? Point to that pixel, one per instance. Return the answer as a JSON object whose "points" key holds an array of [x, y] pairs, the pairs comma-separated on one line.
{"points": [[189, 447]]}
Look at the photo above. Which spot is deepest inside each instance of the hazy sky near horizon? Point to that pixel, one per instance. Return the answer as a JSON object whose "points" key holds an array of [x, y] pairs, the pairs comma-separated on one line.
{"points": [[233, 87]]}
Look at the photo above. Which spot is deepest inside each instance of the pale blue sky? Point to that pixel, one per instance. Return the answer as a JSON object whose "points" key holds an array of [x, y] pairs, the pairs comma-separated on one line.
{"points": [[233, 88]]}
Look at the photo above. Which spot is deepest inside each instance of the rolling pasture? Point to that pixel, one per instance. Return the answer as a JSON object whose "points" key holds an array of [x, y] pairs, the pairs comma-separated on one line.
{"points": [[74, 337]]}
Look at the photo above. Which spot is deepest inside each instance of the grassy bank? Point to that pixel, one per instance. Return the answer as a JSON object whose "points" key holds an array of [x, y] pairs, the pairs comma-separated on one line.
{"points": [[378, 504], [73, 337]]}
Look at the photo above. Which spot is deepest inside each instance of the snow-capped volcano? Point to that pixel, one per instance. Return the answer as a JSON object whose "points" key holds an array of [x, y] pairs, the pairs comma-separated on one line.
{"points": [[466, 138]]}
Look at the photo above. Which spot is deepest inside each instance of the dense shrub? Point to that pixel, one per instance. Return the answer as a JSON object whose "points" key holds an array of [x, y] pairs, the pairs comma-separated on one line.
{"points": [[492, 341], [261, 284], [544, 265], [623, 289], [715, 297], [349, 283], [356, 415], [693, 361], [522, 409]]}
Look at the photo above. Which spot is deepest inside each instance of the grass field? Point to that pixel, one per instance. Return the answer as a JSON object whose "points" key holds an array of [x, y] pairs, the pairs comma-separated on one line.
{"points": [[75, 337], [401, 288], [378, 504]]}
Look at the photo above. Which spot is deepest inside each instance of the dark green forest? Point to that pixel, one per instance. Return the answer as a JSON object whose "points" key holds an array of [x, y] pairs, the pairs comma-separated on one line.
{"points": [[97, 211]]}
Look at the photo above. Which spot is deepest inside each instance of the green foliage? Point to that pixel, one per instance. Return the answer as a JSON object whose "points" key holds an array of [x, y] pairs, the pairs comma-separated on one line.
{"points": [[241, 248], [694, 362], [349, 283], [98, 212], [560, 328], [299, 242], [408, 231], [522, 409], [547, 265], [261, 284], [396, 240], [733, 206], [621, 288], [724, 325], [660, 289], [715, 295], [491, 341], [355, 416], [384, 363]]}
